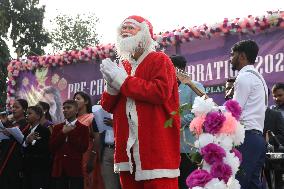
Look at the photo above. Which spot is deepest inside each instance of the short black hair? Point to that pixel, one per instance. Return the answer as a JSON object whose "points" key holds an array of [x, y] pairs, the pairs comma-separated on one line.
{"points": [[249, 47], [71, 102], [178, 61], [277, 86], [231, 80], [37, 110]]}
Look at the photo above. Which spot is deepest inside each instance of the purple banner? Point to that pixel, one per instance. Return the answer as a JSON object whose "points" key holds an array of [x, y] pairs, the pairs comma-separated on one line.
{"points": [[208, 60], [54, 85], [207, 63]]}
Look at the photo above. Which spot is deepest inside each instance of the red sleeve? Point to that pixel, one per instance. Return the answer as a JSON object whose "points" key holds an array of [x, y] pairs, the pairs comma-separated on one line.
{"points": [[80, 142], [57, 139], [156, 90], [109, 102]]}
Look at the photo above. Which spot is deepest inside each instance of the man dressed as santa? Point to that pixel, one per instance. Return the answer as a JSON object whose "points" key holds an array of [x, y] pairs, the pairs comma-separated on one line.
{"points": [[141, 93]]}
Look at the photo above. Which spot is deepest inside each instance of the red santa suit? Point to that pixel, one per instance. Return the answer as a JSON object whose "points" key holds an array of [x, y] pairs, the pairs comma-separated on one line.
{"points": [[146, 98]]}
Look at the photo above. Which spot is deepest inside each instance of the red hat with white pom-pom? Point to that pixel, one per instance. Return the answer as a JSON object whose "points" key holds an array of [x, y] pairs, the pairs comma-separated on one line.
{"points": [[138, 20]]}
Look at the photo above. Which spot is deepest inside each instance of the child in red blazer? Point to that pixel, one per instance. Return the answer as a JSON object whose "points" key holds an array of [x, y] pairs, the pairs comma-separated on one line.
{"points": [[69, 140]]}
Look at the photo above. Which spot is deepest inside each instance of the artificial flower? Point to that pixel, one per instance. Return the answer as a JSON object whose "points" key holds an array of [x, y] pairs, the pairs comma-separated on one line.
{"points": [[232, 161], [233, 184], [199, 178], [237, 153], [213, 122], [221, 171], [196, 125], [224, 140], [239, 136], [229, 125], [202, 105], [203, 140], [213, 153], [215, 184], [234, 107]]}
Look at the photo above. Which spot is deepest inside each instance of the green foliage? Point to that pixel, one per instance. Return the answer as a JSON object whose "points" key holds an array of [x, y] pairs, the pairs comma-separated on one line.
{"points": [[180, 112], [4, 57], [73, 33], [25, 19], [196, 157], [184, 107], [169, 123], [21, 21], [5, 17]]}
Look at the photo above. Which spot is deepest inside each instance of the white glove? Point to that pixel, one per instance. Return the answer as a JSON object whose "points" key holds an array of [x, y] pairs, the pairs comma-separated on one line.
{"points": [[104, 71], [113, 74]]}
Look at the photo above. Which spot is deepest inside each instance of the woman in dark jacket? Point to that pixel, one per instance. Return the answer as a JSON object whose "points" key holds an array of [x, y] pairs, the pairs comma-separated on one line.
{"points": [[11, 159]]}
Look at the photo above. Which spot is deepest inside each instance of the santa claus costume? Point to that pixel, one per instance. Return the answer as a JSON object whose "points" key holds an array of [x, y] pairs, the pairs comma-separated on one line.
{"points": [[141, 93]]}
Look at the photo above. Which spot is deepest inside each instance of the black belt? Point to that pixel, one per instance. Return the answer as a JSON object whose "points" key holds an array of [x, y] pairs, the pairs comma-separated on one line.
{"points": [[109, 145], [254, 131]]}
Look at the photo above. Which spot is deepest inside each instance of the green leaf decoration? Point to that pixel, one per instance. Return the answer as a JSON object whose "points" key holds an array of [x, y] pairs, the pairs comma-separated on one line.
{"points": [[174, 113], [169, 123], [196, 157]]}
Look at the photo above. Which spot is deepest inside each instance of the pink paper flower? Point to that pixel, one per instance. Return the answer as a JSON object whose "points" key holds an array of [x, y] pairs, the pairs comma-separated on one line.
{"points": [[234, 107], [213, 153], [229, 125], [221, 171], [213, 122], [199, 178], [197, 124]]}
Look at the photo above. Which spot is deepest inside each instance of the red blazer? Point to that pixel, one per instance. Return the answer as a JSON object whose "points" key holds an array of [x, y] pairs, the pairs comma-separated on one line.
{"points": [[68, 149]]}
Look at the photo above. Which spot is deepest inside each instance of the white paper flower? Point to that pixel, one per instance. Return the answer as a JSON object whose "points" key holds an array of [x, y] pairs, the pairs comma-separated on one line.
{"points": [[224, 141], [219, 108], [203, 140], [232, 161], [239, 136], [206, 166], [197, 187], [233, 183], [215, 184], [202, 105]]}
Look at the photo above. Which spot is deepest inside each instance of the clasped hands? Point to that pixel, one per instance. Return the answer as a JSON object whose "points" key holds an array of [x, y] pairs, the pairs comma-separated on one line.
{"points": [[111, 71], [32, 137]]}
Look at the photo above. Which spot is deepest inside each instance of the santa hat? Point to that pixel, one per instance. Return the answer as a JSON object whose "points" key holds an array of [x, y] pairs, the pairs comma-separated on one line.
{"points": [[138, 20]]}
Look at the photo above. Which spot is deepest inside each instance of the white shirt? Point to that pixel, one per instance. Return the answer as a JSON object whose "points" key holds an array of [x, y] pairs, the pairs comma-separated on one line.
{"points": [[109, 137], [71, 124], [249, 93]]}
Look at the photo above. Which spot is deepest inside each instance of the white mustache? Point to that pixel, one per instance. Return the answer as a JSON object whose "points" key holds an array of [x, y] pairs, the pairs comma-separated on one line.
{"points": [[126, 35]]}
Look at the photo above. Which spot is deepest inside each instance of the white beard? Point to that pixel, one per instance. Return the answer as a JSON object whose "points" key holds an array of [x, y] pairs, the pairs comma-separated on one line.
{"points": [[126, 47]]}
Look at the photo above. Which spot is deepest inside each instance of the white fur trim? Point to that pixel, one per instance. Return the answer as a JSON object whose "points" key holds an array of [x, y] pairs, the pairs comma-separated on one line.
{"points": [[135, 64], [133, 143], [133, 129], [156, 173], [111, 90], [118, 80], [123, 166], [134, 22], [143, 56]]}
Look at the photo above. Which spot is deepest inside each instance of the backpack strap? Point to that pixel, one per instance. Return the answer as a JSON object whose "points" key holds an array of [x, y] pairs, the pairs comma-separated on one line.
{"points": [[265, 92]]}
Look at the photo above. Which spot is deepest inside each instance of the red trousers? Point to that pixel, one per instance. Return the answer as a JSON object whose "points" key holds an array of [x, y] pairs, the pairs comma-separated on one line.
{"points": [[127, 181]]}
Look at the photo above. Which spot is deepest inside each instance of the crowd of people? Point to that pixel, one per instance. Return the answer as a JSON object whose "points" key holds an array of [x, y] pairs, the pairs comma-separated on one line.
{"points": [[65, 155], [142, 91]]}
